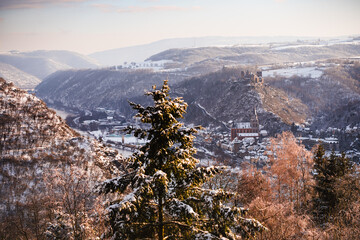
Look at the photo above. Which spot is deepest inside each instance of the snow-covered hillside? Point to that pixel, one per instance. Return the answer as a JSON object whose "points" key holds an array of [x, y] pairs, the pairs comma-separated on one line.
{"points": [[139, 53], [29, 130], [312, 72], [260, 54], [19, 78], [42, 63], [42, 163]]}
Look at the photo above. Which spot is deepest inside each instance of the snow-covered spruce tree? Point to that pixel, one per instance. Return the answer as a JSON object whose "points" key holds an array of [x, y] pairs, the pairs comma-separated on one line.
{"points": [[333, 179], [161, 194]]}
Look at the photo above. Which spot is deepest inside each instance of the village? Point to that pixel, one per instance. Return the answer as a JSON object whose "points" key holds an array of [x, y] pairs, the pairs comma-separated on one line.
{"points": [[245, 141]]}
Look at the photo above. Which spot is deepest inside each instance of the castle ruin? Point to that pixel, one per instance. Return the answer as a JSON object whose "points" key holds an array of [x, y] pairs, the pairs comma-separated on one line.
{"points": [[255, 79]]}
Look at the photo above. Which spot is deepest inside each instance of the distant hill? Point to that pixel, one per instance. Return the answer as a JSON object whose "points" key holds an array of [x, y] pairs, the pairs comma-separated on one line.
{"points": [[19, 78], [333, 98], [89, 89], [222, 97], [214, 98], [72, 59], [261, 54], [139, 53], [330, 100], [42, 63]]}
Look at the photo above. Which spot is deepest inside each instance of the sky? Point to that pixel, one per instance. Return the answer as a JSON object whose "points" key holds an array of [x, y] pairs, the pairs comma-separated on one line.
{"points": [[88, 26]]}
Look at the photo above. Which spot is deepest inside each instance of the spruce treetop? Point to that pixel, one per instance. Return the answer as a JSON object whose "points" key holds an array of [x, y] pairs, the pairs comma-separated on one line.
{"points": [[161, 192]]}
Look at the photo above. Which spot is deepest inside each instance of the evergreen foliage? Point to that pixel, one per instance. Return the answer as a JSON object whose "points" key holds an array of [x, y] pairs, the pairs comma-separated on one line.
{"points": [[330, 172], [161, 194]]}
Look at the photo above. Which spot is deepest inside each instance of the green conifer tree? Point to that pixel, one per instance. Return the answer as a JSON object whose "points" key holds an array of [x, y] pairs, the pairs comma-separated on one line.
{"points": [[161, 194], [329, 172]]}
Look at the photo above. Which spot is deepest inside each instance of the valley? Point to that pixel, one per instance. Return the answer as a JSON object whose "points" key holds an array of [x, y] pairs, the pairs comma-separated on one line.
{"points": [[297, 96], [179, 120], [65, 126]]}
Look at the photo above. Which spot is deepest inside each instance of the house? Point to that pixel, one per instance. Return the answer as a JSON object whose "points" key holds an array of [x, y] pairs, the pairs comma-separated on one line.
{"points": [[243, 130]]}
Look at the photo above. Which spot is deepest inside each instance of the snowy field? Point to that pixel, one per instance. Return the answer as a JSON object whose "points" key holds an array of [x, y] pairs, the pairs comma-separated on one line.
{"points": [[325, 43], [125, 153], [61, 113], [153, 65], [128, 139], [313, 72]]}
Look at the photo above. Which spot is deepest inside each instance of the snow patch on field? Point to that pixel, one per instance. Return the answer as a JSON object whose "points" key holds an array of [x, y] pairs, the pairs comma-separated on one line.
{"points": [[317, 44], [62, 113], [312, 72], [127, 139], [295, 46]]}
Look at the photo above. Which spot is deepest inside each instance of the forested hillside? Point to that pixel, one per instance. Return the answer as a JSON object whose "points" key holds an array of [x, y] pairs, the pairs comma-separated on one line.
{"points": [[223, 96], [47, 172], [332, 99], [89, 89], [257, 54]]}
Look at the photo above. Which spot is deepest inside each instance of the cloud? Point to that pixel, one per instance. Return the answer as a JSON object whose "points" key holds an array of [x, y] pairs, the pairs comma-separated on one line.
{"points": [[150, 0], [1, 19], [134, 9], [21, 4], [104, 7], [138, 9]]}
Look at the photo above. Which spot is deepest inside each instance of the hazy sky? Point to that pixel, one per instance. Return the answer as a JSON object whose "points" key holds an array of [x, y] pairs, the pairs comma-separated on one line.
{"points": [[87, 26]]}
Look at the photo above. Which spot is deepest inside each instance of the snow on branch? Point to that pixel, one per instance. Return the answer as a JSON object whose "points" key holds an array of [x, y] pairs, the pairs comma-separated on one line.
{"points": [[180, 209]]}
